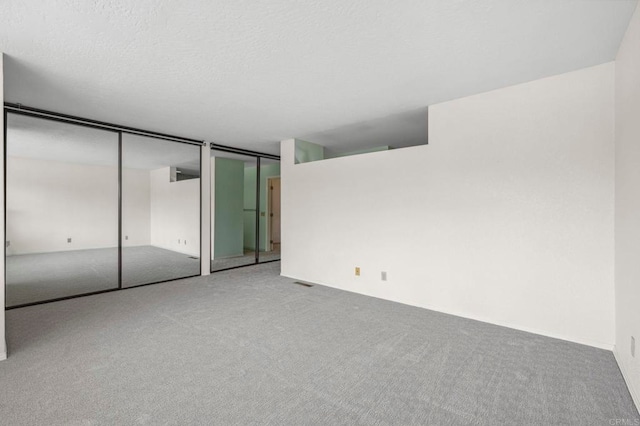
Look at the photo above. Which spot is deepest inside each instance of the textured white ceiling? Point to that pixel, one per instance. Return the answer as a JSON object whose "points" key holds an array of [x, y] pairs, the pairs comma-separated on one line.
{"points": [[250, 73]]}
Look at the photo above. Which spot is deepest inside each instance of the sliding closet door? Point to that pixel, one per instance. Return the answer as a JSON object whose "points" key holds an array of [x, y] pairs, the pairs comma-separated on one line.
{"points": [[270, 190], [62, 210], [160, 210], [233, 210]]}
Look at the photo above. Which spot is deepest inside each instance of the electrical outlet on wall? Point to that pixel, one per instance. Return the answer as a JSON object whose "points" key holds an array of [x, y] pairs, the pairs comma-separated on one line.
{"points": [[383, 275], [68, 240], [126, 237], [357, 271]]}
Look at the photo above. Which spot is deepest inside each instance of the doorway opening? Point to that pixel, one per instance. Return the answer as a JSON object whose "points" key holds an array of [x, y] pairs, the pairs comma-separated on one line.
{"points": [[273, 213]]}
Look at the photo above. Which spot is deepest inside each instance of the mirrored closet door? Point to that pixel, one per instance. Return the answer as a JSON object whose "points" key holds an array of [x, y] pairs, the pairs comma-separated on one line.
{"points": [[61, 209]]}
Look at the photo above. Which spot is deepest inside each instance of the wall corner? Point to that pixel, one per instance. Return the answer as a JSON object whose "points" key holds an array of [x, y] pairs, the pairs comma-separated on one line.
{"points": [[3, 345]]}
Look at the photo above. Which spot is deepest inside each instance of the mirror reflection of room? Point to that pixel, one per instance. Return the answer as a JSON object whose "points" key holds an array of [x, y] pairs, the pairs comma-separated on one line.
{"points": [[270, 187], [235, 231], [62, 210], [160, 210]]}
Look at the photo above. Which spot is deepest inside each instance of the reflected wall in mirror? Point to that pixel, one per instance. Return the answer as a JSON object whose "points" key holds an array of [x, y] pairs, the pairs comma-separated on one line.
{"points": [[233, 210], [269, 210], [62, 210], [160, 210]]}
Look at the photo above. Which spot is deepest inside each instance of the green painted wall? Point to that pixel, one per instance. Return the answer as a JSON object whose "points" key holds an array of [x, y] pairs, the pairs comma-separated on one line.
{"points": [[250, 208], [228, 207], [308, 151], [266, 171]]}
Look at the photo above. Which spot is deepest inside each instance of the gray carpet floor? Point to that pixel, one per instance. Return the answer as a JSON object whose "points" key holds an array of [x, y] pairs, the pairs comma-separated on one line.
{"points": [[36, 277], [147, 264], [247, 346]]}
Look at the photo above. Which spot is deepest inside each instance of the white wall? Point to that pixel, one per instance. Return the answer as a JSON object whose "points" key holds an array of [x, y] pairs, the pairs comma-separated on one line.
{"points": [[136, 207], [627, 233], [175, 213], [50, 201], [3, 346], [506, 217]]}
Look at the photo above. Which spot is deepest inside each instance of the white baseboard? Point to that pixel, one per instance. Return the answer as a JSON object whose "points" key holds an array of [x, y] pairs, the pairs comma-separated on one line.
{"points": [[626, 374], [586, 342]]}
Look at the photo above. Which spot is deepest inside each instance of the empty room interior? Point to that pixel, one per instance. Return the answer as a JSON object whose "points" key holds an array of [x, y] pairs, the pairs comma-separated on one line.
{"points": [[332, 213]]}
